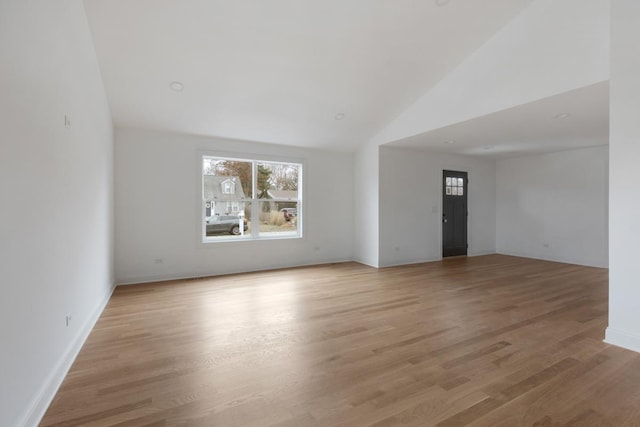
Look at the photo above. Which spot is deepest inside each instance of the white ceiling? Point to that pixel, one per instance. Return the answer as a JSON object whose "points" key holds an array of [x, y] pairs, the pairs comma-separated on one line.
{"points": [[527, 129], [279, 71]]}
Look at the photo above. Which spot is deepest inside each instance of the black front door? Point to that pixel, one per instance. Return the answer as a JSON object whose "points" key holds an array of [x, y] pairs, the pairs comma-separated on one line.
{"points": [[454, 213]]}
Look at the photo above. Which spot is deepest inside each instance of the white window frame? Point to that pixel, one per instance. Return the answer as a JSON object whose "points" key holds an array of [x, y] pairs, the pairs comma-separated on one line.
{"points": [[254, 201]]}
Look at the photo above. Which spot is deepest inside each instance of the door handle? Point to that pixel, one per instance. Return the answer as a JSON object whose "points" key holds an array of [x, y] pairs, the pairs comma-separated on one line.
{"points": [[444, 219]]}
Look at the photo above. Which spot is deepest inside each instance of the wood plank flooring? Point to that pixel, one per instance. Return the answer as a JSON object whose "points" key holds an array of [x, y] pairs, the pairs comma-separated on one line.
{"points": [[483, 341]]}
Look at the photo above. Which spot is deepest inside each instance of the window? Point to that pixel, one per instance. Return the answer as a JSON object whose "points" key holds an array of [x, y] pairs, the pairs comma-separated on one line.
{"points": [[228, 186], [244, 199], [454, 186]]}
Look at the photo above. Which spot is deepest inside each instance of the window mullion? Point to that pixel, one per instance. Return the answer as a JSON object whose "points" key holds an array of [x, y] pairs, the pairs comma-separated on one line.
{"points": [[255, 206]]}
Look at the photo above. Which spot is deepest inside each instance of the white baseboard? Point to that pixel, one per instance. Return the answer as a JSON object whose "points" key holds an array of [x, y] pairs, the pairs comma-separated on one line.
{"points": [[363, 262], [399, 263], [194, 275], [622, 339], [43, 399], [481, 253], [564, 260]]}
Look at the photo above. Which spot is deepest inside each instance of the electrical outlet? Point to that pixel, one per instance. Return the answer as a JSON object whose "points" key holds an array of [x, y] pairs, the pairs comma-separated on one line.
{"points": [[158, 260]]}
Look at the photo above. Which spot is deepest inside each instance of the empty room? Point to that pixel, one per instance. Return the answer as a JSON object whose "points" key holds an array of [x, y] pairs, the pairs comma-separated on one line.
{"points": [[319, 213]]}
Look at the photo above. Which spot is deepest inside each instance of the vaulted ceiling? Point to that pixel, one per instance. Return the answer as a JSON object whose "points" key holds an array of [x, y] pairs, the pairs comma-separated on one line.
{"points": [[282, 71], [326, 74]]}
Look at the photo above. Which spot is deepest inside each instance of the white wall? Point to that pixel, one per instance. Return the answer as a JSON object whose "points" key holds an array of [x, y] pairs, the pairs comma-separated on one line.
{"points": [[554, 206], [158, 201], [366, 205], [56, 229], [552, 47], [624, 201], [411, 204]]}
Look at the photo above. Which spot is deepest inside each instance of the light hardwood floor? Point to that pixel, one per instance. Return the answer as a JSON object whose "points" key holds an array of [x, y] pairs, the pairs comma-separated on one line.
{"points": [[484, 341]]}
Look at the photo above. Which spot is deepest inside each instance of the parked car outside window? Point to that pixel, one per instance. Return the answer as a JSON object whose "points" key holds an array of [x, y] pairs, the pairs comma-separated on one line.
{"points": [[289, 213], [220, 224]]}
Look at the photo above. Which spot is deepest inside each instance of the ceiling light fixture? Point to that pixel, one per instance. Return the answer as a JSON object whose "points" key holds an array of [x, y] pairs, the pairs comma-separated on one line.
{"points": [[441, 3], [449, 141], [176, 86], [561, 116], [339, 116], [488, 147]]}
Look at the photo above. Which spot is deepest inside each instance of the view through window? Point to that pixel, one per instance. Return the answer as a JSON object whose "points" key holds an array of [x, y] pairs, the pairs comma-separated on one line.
{"points": [[250, 199]]}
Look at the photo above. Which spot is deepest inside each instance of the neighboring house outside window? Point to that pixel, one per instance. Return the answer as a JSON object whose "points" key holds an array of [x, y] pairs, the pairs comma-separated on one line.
{"points": [[223, 195]]}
